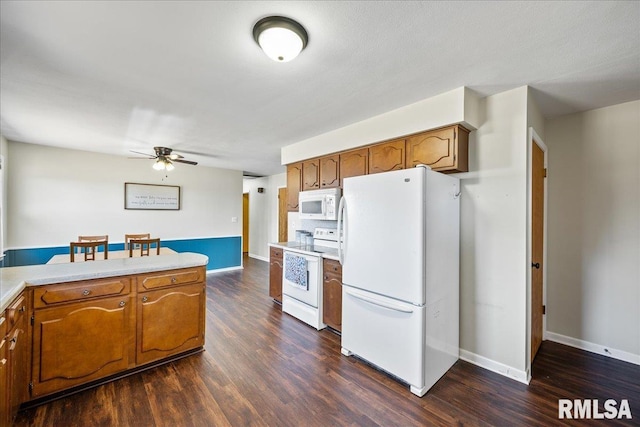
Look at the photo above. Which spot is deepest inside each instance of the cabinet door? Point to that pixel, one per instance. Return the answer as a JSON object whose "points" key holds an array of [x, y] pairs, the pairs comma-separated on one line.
{"points": [[275, 274], [17, 354], [332, 294], [170, 321], [80, 342], [311, 175], [294, 185], [354, 163], [442, 149], [330, 171], [387, 157], [4, 373]]}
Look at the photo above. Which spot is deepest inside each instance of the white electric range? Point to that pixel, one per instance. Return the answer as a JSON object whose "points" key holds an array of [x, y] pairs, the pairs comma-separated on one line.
{"points": [[302, 276]]}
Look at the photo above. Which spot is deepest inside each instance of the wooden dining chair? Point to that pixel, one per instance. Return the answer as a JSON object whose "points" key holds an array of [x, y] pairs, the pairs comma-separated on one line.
{"points": [[145, 246], [89, 249], [128, 237]]}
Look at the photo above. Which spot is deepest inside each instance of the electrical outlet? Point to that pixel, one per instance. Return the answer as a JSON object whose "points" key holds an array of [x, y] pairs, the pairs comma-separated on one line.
{"points": [[234, 219]]}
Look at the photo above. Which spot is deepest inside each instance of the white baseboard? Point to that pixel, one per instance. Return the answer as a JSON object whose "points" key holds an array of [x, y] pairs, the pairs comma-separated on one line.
{"points": [[594, 348], [220, 270], [497, 367], [261, 258]]}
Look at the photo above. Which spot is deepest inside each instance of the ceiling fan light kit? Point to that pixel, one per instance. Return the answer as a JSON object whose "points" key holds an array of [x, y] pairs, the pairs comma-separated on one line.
{"points": [[165, 164], [281, 38]]}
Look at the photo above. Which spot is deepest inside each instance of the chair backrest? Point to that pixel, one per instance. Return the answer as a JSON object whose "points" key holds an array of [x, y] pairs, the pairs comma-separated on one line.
{"points": [[144, 245], [128, 237], [93, 238], [89, 249]]}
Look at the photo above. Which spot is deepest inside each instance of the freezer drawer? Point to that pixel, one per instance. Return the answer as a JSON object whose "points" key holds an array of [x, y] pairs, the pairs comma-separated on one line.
{"points": [[386, 332]]}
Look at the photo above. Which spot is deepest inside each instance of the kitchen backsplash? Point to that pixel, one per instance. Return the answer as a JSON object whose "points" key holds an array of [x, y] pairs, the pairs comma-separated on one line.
{"points": [[295, 223]]}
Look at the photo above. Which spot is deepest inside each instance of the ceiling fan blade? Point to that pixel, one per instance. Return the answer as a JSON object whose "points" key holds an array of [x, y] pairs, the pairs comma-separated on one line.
{"points": [[175, 156], [198, 153], [141, 158], [151, 156], [189, 162]]}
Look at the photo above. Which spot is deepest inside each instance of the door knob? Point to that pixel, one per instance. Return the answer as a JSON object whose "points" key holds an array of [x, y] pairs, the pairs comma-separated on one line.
{"points": [[536, 265]]}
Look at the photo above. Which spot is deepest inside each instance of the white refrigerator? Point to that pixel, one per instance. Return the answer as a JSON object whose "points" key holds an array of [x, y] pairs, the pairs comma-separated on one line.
{"points": [[400, 273]]}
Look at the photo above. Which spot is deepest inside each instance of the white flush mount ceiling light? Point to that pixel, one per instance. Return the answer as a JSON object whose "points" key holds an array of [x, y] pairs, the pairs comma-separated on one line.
{"points": [[281, 38]]}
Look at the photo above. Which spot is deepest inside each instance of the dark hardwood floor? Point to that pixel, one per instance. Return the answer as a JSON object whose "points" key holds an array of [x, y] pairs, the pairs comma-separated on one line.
{"points": [[265, 368]]}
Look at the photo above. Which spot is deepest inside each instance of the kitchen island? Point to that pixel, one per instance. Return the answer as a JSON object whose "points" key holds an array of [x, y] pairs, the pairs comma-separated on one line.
{"points": [[68, 326]]}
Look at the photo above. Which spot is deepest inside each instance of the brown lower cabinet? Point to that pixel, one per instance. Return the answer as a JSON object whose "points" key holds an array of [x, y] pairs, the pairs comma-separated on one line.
{"points": [[332, 293], [182, 310], [4, 372], [90, 330], [275, 274], [14, 355], [80, 342]]}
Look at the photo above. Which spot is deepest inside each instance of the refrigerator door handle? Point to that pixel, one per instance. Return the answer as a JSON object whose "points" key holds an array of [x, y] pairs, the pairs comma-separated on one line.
{"points": [[388, 306], [341, 237]]}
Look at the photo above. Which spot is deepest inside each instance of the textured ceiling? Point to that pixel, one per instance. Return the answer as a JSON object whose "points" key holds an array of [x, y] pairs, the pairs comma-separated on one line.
{"points": [[117, 76]]}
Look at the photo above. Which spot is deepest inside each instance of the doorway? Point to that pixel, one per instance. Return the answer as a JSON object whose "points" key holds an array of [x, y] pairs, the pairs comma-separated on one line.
{"points": [[245, 223], [538, 174]]}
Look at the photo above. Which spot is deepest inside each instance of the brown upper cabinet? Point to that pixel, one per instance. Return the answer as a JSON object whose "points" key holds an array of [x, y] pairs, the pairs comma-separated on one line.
{"points": [[311, 174], [444, 150], [388, 156], [354, 163], [294, 185], [330, 171]]}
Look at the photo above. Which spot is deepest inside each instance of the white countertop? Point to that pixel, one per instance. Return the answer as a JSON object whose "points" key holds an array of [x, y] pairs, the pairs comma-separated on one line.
{"points": [[321, 251], [14, 279]]}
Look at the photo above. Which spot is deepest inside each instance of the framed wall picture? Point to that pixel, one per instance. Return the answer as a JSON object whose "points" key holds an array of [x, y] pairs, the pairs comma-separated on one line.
{"points": [[151, 197]]}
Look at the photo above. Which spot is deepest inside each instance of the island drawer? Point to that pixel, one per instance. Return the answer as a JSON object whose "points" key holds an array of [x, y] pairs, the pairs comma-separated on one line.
{"points": [[162, 279], [50, 295]]}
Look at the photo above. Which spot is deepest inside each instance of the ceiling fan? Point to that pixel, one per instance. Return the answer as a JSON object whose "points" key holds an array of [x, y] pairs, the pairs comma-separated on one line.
{"points": [[164, 158]]}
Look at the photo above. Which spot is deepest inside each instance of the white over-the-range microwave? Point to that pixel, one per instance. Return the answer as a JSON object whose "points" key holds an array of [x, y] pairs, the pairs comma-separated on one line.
{"points": [[319, 204]]}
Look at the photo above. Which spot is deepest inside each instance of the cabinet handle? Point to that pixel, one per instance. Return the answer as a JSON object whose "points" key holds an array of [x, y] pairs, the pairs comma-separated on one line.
{"points": [[536, 265], [22, 309], [122, 303], [173, 280], [86, 292], [3, 362], [145, 298]]}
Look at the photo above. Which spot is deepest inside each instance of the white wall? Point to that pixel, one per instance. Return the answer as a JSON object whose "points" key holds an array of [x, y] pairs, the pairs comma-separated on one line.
{"points": [[457, 106], [593, 278], [493, 246], [56, 194], [263, 213], [4, 148]]}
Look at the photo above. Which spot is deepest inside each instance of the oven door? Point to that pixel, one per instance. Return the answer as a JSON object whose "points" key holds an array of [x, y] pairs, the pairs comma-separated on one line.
{"points": [[291, 280]]}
